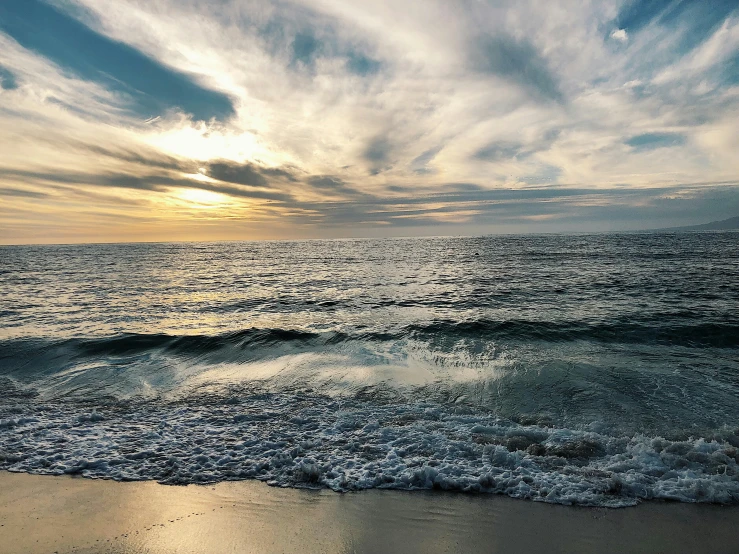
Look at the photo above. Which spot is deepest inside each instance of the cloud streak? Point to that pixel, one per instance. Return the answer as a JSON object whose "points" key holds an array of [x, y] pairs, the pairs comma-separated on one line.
{"points": [[334, 118]]}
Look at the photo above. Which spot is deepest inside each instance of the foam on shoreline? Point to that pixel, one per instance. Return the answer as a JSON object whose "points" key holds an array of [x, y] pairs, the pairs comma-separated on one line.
{"points": [[296, 440]]}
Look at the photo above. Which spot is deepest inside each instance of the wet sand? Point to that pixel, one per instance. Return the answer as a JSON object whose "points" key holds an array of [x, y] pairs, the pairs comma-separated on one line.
{"points": [[66, 514]]}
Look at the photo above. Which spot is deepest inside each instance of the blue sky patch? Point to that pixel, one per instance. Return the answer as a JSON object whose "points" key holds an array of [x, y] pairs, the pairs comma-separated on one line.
{"points": [[500, 151], [7, 79], [305, 48], [152, 87], [697, 19], [517, 61], [651, 141], [730, 70], [359, 64]]}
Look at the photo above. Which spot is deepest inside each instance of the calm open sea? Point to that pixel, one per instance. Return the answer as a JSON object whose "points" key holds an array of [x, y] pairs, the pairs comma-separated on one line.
{"points": [[586, 369]]}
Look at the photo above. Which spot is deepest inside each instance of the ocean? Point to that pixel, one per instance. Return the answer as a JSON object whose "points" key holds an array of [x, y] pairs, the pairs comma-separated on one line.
{"points": [[597, 370]]}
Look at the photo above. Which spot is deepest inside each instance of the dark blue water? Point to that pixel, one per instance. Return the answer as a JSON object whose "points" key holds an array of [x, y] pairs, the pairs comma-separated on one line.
{"points": [[590, 369]]}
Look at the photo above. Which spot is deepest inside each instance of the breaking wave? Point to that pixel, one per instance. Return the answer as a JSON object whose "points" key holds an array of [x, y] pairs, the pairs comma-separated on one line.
{"points": [[243, 344], [595, 370], [309, 440]]}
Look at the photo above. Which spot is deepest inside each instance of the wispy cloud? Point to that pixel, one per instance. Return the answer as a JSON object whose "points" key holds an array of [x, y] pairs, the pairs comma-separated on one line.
{"points": [[332, 117]]}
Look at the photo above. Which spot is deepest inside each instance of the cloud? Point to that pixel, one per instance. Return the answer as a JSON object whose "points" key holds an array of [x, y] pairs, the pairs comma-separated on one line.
{"points": [[518, 61], [561, 206], [500, 151], [243, 174], [150, 87], [620, 35], [420, 164], [6, 191], [151, 182], [306, 38], [147, 158], [321, 118], [279, 172], [692, 21]]}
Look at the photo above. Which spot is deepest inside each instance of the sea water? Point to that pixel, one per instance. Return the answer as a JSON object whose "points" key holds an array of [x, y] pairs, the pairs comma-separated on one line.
{"points": [[575, 369]]}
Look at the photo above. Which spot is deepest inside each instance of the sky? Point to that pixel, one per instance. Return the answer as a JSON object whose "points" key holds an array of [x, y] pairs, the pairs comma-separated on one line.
{"points": [[154, 120]]}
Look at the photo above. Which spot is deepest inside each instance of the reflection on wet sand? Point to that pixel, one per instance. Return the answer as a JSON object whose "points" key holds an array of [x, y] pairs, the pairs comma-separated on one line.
{"points": [[62, 514]]}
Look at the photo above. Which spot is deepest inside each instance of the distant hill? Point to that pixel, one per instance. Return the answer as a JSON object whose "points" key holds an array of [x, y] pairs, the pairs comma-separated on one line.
{"points": [[723, 225]]}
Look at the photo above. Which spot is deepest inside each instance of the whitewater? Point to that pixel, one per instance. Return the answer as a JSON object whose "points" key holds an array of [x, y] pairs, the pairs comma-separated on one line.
{"points": [[598, 370]]}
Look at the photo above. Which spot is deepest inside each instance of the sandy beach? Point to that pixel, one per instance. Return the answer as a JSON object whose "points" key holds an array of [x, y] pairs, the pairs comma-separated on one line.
{"points": [[41, 514]]}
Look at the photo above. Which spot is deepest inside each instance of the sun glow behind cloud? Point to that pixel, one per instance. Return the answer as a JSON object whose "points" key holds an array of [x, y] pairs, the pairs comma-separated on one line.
{"points": [[336, 118], [200, 141], [203, 199]]}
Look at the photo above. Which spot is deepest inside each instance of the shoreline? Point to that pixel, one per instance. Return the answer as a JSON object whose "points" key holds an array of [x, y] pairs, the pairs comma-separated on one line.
{"points": [[66, 514]]}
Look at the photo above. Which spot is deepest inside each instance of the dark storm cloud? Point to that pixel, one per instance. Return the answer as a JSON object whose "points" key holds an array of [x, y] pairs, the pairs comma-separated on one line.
{"points": [[517, 61], [151, 87], [651, 141]]}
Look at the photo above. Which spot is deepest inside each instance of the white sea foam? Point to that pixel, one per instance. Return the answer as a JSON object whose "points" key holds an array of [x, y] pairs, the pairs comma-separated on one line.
{"points": [[315, 441]]}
